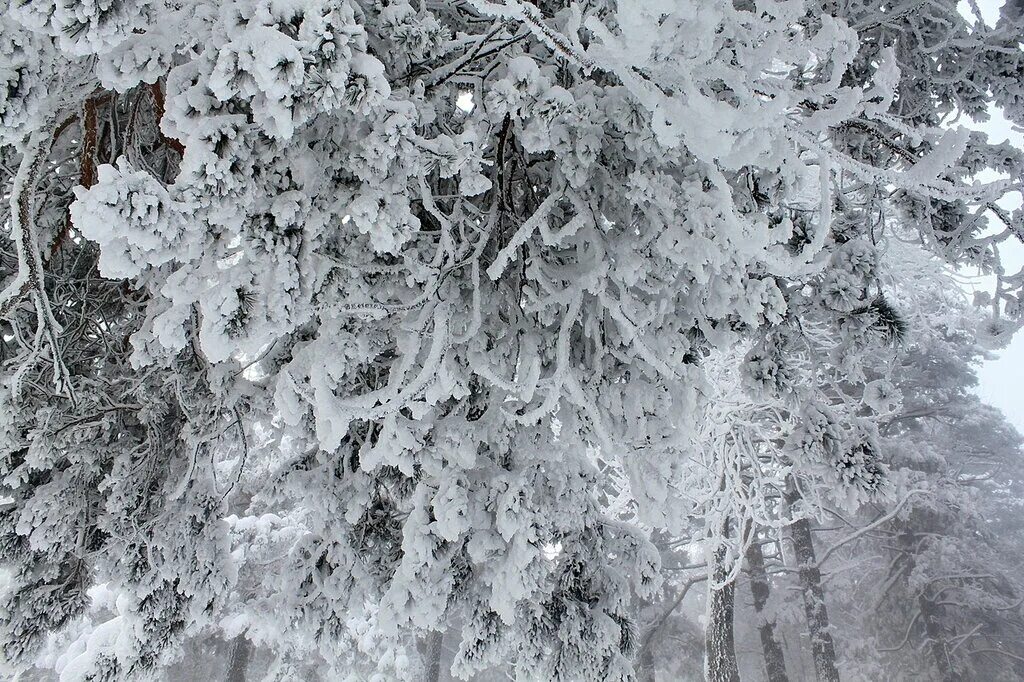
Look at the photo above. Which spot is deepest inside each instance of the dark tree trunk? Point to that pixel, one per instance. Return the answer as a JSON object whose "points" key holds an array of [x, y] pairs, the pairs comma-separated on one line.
{"points": [[239, 661], [719, 642], [937, 641], [774, 659], [823, 649], [432, 649]]}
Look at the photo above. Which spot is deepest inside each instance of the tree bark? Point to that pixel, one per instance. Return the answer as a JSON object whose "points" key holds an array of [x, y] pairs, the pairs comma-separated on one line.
{"points": [[937, 641], [719, 641], [774, 659], [823, 649], [432, 648], [239, 661]]}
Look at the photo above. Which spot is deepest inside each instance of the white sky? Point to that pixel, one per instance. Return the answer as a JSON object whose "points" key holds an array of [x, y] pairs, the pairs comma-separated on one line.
{"points": [[1001, 378]]}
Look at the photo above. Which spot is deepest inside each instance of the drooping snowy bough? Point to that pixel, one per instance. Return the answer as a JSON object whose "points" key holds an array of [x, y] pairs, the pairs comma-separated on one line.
{"points": [[316, 312]]}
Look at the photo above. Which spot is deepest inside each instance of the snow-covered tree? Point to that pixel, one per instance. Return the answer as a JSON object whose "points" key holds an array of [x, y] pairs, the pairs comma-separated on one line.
{"points": [[316, 313], [924, 576], [941, 589]]}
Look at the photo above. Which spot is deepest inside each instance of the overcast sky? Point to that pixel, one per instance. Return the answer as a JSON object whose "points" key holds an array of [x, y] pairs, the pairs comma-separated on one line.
{"points": [[1002, 378]]}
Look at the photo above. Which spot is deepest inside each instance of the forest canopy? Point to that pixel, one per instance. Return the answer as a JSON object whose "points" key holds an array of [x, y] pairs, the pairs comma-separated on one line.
{"points": [[489, 339]]}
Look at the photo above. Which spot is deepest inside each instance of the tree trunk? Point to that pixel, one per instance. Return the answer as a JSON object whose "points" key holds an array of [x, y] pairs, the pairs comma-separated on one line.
{"points": [[774, 659], [719, 642], [432, 649], [239, 661], [937, 641], [823, 649]]}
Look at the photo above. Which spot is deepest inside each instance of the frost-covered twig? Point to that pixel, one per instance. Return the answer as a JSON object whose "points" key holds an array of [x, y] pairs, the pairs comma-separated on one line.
{"points": [[870, 527], [30, 277]]}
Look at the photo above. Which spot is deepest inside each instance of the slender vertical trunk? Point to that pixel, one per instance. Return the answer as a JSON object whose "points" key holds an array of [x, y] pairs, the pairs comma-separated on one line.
{"points": [[823, 649], [774, 659], [719, 642], [432, 648], [937, 640], [239, 661]]}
